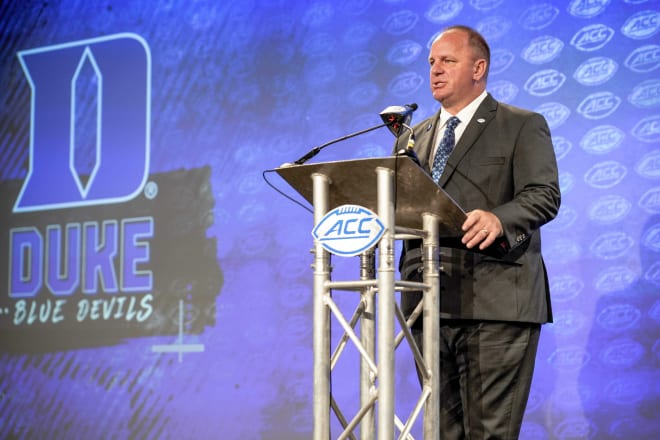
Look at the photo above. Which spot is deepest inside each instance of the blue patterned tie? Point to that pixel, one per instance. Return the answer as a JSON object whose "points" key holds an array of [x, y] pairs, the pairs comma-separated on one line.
{"points": [[444, 149]]}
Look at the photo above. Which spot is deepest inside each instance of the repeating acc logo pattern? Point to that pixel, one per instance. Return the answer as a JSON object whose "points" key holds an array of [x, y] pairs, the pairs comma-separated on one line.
{"points": [[590, 67]]}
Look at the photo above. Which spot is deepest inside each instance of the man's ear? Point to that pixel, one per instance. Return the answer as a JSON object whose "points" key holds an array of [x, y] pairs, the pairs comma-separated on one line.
{"points": [[479, 69]]}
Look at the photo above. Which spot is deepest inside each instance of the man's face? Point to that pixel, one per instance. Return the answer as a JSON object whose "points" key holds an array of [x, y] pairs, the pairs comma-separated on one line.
{"points": [[453, 71]]}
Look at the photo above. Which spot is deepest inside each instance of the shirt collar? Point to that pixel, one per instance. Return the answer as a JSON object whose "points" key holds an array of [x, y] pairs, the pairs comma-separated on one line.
{"points": [[466, 114]]}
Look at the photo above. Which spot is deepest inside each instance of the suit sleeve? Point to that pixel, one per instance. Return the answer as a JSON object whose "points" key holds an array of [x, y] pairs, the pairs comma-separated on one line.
{"points": [[536, 195]]}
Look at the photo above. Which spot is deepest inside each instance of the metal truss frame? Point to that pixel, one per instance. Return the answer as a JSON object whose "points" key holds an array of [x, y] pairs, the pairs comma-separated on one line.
{"points": [[376, 341]]}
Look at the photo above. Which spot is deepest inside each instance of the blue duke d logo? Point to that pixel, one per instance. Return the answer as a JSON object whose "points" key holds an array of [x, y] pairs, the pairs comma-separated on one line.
{"points": [[121, 126]]}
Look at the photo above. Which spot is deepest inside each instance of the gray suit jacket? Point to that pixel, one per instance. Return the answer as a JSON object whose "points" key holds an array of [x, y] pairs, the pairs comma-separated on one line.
{"points": [[504, 163]]}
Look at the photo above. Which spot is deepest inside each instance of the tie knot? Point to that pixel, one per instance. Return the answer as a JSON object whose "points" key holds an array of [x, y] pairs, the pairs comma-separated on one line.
{"points": [[453, 122]]}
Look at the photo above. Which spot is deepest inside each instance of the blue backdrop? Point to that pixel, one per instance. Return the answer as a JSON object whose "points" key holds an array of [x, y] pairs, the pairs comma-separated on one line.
{"points": [[151, 284]]}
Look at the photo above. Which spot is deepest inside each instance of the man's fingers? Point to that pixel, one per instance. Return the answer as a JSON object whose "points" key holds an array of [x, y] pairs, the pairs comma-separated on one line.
{"points": [[480, 228], [471, 220]]}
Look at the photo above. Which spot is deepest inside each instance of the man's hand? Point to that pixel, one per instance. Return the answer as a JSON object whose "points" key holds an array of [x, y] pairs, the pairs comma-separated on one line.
{"points": [[481, 228]]}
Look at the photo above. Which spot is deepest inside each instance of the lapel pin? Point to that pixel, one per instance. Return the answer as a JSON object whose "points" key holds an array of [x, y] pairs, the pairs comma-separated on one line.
{"points": [[428, 127], [481, 120]]}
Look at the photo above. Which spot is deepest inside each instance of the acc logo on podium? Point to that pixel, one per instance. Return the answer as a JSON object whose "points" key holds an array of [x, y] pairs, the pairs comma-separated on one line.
{"points": [[348, 230]]}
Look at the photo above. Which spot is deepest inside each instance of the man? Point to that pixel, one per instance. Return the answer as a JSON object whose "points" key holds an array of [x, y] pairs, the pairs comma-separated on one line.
{"points": [[502, 171]]}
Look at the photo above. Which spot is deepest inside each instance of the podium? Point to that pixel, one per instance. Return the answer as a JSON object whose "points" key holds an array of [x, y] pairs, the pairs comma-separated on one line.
{"points": [[410, 205]]}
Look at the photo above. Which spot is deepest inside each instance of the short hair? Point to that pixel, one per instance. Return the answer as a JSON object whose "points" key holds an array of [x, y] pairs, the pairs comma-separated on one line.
{"points": [[476, 41]]}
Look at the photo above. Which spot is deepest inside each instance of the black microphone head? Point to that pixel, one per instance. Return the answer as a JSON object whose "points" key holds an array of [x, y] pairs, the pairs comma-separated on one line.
{"points": [[396, 116]]}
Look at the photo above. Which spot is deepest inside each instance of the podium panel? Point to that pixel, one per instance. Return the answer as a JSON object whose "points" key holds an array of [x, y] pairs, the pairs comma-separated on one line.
{"points": [[353, 182]]}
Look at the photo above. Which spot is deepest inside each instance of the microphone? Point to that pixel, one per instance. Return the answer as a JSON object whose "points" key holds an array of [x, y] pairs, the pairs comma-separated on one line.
{"points": [[399, 115], [399, 118]]}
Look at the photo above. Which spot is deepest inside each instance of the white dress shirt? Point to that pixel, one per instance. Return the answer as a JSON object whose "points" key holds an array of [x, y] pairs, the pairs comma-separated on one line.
{"points": [[465, 117]]}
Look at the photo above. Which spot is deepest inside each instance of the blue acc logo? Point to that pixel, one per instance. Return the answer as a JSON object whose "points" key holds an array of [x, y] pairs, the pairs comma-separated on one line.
{"points": [[565, 287], [359, 33], [500, 60], [648, 129], [652, 275], [644, 59], [361, 64], [563, 251], [592, 37], [542, 49], [576, 427], [651, 238], [595, 71], [348, 230], [555, 113], [503, 90], [400, 22], [642, 25], [650, 201], [602, 139], [569, 322], [545, 82], [611, 245], [615, 279], [405, 84], [494, 27], [538, 16], [569, 358], [485, 5], [627, 390], [645, 94], [649, 165], [605, 175], [404, 52], [56, 75], [618, 317], [587, 8], [622, 353], [599, 105], [608, 209], [441, 12]]}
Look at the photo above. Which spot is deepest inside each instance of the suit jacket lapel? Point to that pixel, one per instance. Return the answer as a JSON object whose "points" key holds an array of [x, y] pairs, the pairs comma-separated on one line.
{"points": [[425, 139], [482, 117]]}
